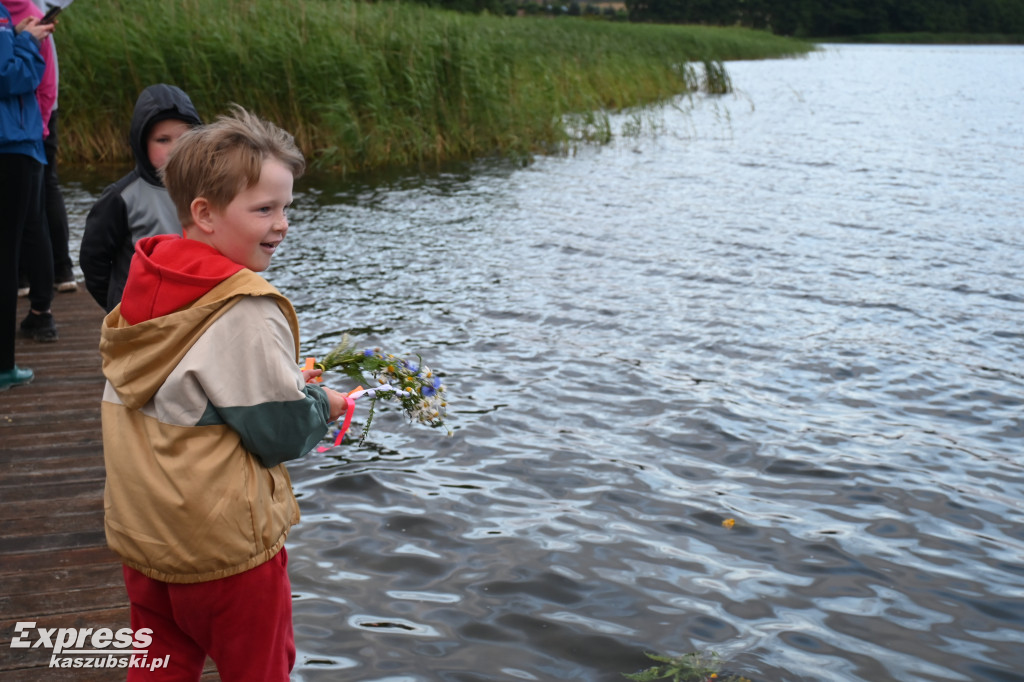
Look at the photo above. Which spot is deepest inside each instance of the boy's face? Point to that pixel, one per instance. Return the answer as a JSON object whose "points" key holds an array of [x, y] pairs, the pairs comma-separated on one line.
{"points": [[161, 140], [250, 228]]}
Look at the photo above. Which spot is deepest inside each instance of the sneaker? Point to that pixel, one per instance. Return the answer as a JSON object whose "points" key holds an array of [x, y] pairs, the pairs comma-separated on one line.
{"points": [[23, 291], [15, 377], [64, 282], [39, 327]]}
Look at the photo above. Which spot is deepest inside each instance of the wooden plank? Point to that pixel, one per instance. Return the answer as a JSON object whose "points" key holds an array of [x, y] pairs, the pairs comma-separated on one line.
{"points": [[37, 605], [38, 560], [67, 579], [33, 508]]}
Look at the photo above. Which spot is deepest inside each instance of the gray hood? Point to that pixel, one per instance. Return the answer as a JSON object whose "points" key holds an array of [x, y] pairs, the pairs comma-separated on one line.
{"points": [[157, 103]]}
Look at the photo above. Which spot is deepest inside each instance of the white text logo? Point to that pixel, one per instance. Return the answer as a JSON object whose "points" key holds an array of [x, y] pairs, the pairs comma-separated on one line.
{"points": [[88, 647]]}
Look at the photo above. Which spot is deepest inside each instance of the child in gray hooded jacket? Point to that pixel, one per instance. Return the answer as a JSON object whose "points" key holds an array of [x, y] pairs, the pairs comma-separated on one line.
{"points": [[137, 205]]}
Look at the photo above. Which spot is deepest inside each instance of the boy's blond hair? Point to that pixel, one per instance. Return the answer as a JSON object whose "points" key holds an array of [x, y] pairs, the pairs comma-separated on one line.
{"points": [[219, 160]]}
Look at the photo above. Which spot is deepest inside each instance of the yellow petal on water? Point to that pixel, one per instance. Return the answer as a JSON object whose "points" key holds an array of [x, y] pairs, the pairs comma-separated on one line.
{"points": [[729, 523]]}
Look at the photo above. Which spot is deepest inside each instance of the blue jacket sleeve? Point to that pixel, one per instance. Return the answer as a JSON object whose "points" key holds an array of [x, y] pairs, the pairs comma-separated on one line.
{"points": [[21, 65]]}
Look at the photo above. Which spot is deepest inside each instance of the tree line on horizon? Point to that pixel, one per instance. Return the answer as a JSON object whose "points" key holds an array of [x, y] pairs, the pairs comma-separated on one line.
{"points": [[807, 18], [833, 18]]}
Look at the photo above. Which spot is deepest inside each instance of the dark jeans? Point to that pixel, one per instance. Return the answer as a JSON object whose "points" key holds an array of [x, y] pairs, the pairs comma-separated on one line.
{"points": [[21, 229]]}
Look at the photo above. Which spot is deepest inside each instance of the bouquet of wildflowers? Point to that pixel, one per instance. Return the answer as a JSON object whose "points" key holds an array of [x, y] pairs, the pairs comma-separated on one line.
{"points": [[412, 384]]}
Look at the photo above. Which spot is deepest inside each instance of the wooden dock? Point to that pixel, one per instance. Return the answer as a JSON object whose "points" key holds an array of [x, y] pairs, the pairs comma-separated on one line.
{"points": [[55, 567]]}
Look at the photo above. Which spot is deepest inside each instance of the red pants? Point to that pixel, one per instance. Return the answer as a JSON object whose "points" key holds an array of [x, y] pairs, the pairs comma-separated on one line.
{"points": [[244, 623]]}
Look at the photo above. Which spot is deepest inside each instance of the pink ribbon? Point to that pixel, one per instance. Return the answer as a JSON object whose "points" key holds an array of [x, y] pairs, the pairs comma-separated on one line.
{"points": [[350, 408]]}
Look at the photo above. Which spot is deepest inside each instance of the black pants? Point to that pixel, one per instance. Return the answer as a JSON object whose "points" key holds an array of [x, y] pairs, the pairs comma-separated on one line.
{"points": [[21, 229], [56, 212], [55, 218]]}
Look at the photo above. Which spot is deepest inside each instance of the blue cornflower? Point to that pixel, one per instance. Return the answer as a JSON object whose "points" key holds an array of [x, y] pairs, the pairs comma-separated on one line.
{"points": [[432, 389]]}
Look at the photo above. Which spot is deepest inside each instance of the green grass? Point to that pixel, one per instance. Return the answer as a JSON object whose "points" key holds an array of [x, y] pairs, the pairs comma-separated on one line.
{"points": [[364, 85], [692, 667]]}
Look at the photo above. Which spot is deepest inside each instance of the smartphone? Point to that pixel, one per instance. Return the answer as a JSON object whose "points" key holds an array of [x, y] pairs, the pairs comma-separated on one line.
{"points": [[50, 15]]}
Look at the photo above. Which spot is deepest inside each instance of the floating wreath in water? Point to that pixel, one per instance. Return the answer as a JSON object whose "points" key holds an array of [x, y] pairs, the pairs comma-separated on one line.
{"points": [[413, 385]]}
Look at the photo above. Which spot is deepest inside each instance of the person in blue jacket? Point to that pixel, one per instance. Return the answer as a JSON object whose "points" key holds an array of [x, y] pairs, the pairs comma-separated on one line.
{"points": [[22, 158]]}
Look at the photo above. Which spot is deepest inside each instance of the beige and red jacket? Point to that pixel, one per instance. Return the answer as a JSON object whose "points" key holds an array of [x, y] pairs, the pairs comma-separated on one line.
{"points": [[204, 401]]}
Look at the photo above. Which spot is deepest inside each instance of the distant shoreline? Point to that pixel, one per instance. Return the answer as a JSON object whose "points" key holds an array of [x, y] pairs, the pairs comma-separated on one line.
{"points": [[928, 39]]}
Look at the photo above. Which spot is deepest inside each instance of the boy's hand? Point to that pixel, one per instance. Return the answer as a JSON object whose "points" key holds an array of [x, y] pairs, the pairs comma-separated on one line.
{"points": [[35, 29], [312, 376], [337, 402]]}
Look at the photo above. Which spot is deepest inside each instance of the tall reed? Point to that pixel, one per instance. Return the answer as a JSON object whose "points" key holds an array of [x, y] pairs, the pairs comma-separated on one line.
{"points": [[365, 85]]}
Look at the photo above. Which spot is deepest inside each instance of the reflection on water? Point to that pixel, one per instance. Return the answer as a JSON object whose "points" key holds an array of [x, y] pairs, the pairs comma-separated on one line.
{"points": [[799, 307]]}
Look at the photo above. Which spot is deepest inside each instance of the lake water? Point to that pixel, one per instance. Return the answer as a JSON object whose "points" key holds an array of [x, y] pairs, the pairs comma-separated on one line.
{"points": [[800, 307]]}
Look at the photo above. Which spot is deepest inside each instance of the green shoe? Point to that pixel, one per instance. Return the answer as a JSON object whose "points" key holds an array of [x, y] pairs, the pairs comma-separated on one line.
{"points": [[15, 377]]}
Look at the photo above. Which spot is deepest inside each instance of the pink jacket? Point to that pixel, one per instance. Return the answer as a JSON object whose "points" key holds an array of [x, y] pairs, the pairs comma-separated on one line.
{"points": [[46, 93]]}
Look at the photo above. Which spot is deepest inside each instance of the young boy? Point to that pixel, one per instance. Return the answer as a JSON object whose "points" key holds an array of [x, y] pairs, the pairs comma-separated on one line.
{"points": [[204, 401], [137, 205]]}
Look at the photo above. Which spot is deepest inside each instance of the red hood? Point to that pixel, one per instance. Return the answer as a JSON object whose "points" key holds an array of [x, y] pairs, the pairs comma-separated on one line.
{"points": [[168, 272]]}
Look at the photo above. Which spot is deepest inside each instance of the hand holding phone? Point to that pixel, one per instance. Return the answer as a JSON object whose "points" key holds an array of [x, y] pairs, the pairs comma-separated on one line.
{"points": [[51, 15]]}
